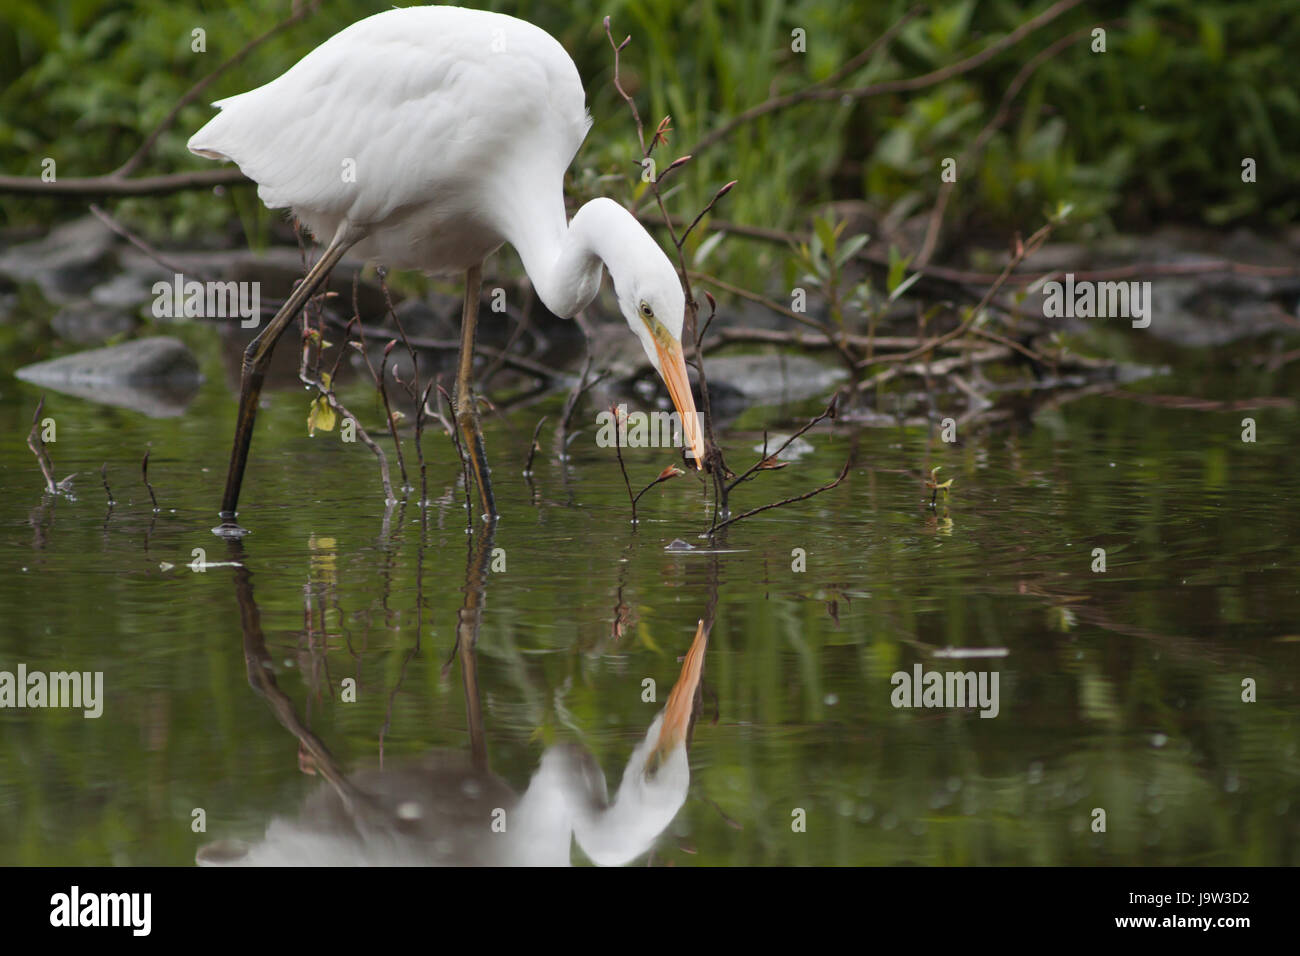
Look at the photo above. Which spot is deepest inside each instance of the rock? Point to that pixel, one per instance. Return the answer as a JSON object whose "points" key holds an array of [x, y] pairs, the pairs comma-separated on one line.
{"points": [[84, 324], [1196, 309], [793, 452], [157, 359], [275, 270], [156, 376], [126, 292], [772, 378], [67, 263]]}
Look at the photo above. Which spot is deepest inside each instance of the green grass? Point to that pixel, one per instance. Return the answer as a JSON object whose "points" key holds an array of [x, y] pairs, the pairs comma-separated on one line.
{"points": [[1152, 130]]}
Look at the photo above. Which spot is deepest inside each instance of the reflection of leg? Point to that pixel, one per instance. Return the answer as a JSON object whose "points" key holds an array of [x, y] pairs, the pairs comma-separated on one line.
{"points": [[467, 419], [467, 627], [256, 357], [261, 677]]}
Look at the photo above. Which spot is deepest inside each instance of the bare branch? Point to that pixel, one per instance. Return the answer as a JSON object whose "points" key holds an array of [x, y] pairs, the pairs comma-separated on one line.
{"points": [[37, 445], [144, 473], [844, 472]]}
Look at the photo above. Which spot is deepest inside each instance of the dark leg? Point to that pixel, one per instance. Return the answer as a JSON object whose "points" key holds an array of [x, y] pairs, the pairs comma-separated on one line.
{"points": [[256, 357], [471, 432], [467, 629]]}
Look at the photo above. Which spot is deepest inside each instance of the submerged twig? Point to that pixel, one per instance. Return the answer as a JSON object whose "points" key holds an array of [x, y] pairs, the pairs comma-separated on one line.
{"points": [[144, 473], [714, 461], [420, 412], [844, 472], [723, 478], [140, 244], [37, 444], [766, 457], [571, 403], [618, 452], [326, 391], [534, 446], [460, 453], [103, 476]]}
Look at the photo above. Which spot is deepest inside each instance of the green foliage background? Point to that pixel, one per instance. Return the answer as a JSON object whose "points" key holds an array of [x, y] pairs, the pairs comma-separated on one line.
{"points": [[1152, 130]]}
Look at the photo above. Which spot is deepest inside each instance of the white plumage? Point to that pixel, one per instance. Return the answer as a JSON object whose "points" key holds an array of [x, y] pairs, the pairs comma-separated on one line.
{"points": [[435, 112], [424, 138]]}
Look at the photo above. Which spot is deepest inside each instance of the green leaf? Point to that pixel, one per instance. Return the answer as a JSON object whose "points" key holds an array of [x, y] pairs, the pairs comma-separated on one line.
{"points": [[824, 233], [850, 249], [904, 286], [897, 269], [321, 416]]}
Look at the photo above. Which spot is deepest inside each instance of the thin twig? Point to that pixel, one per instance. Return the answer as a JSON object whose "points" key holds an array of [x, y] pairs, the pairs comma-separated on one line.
{"points": [[722, 191], [139, 243], [618, 85], [517, 362], [1022, 251], [144, 473], [89, 186], [829, 412], [713, 311], [37, 444], [342, 410], [533, 446], [668, 474], [460, 453], [420, 412], [103, 476], [839, 341], [963, 277], [388, 412], [785, 501], [571, 403], [618, 452]]}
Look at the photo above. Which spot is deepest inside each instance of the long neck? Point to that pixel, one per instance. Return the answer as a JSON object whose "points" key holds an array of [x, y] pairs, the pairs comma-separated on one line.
{"points": [[564, 260], [566, 799], [642, 808]]}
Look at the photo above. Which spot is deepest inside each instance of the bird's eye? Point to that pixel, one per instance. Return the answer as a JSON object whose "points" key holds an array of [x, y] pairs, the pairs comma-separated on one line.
{"points": [[647, 311]]}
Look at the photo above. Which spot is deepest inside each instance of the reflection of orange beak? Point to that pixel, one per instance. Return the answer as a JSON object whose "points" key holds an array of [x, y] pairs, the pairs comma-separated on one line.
{"points": [[681, 701], [672, 365]]}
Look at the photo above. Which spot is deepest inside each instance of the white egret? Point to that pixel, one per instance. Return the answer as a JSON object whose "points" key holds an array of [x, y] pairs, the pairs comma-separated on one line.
{"points": [[445, 811], [425, 138]]}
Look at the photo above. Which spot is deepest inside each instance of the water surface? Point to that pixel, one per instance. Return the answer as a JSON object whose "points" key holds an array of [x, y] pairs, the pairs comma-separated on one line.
{"points": [[1119, 690]]}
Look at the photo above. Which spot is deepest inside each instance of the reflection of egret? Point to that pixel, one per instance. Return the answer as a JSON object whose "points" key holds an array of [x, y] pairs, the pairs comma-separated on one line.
{"points": [[425, 138], [450, 810]]}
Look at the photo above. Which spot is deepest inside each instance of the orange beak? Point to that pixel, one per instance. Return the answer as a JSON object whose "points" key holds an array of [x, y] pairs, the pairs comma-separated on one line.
{"points": [[681, 701], [672, 364]]}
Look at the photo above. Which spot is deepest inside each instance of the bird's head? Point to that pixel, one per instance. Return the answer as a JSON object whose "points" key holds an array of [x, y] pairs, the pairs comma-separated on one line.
{"points": [[652, 302]]}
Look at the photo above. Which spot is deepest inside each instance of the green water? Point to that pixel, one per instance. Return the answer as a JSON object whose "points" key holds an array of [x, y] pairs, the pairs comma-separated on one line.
{"points": [[1119, 690]]}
